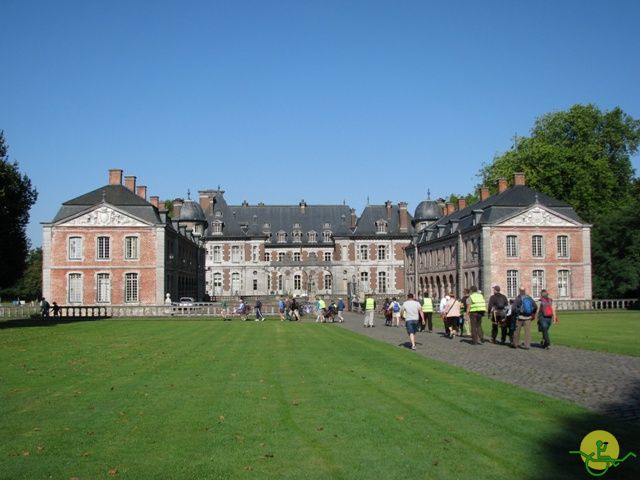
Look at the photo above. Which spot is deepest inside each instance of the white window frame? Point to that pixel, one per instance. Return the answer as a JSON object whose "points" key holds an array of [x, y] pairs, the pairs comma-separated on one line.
{"points": [[100, 253], [328, 256], [297, 282], [75, 287], [267, 256], [313, 237], [364, 286], [131, 287], [564, 283], [328, 281], [511, 243], [282, 256], [217, 283], [282, 237], [297, 257], [217, 253], [103, 288], [131, 247], [75, 252], [383, 249], [537, 282], [363, 252], [562, 246], [236, 254], [537, 246], [513, 283], [326, 236], [382, 282]]}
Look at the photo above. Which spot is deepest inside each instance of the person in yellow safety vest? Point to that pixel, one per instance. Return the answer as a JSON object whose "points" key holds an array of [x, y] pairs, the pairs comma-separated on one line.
{"points": [[427, 310], [369, 311], [476, 307], [320, 306]]}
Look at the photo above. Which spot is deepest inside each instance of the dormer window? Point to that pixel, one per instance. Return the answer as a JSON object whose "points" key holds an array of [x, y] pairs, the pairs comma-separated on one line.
{"points": [[216, 228], [326, 236], [382, 226], [218, 214], [297, 236], [282, 237], [313, 237]]}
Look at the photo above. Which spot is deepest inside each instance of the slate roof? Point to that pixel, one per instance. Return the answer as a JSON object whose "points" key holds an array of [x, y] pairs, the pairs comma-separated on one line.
{"points": [[428, 210], [191, 212], [116, 195], [366, 225], [497, 208]]}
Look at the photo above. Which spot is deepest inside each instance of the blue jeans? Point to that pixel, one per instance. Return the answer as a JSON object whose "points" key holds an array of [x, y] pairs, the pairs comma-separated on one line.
{"points": [[544, 323]]}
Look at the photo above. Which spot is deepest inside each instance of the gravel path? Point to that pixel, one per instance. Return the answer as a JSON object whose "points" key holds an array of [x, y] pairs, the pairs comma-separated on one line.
{"points": [[604, 382]]}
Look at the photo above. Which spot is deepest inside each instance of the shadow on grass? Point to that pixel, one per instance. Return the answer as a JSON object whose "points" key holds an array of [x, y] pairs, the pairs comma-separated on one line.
{"points": [[45, 322], [622, 421]]}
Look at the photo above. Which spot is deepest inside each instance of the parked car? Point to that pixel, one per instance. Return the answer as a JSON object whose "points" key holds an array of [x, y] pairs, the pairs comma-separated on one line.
{"points": [[186, 302]]}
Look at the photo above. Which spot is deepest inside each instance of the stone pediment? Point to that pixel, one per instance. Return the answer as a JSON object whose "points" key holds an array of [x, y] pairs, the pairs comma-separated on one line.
{"points": [[104, 217], [537, 217]]}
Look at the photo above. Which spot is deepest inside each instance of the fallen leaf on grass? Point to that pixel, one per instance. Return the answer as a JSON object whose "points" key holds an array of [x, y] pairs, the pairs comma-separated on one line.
{"points": [[295, 403], [85, 454], [37, 429], [113, 472], [26, 453], [221, 419], [248, 468], [40, 448], [400, 418]]}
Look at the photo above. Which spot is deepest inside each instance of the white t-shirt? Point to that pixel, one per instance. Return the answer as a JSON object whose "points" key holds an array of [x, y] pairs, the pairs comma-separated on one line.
{"points": [[412, 309], [443, 303]]}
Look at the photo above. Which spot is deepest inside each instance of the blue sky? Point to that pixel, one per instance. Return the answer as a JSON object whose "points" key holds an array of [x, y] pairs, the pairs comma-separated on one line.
{"points": [[278, 101]]}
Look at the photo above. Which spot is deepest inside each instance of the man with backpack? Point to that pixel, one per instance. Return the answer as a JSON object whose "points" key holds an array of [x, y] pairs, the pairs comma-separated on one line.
{"points": [[498, 304], [526, 309]]}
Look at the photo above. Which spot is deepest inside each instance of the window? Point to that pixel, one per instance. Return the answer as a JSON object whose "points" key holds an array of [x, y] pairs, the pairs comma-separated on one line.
{"points": [[281, 256], [297, 236], [75, 288], [537, 282], [563, 246], [327, 256], [364, 281], [296, 256], [268, 282], [104, 252], [267, 256], [537, 246], [217, 254], [103, 288], [364, 252], [235, 254], [326, 236], [75, 248], [282, 237], [381, 227], [512, 283], [255, 284], [382, 253], [563, 283], [327, 281], [131, 287], [216, 228], [313, 237], [512, 246], [217, 283], [254, 253], [280, 283], [131, 248], [382, 282], [235, 283], [297, 282]]}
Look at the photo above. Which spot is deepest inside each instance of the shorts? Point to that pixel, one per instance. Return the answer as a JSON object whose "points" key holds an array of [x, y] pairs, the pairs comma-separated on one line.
{"points": [[412, 326]]}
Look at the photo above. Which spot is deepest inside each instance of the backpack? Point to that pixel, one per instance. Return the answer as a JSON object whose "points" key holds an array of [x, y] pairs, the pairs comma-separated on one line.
{"points": [[396, 307], [528, 306]]}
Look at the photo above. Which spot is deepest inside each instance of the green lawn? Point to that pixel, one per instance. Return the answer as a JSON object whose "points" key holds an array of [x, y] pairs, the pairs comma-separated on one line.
{"points": [[606, 331], [192, 399]]}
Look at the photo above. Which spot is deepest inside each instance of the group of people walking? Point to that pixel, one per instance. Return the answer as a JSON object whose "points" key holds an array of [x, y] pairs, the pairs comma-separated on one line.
{"points": [[463, 316]]}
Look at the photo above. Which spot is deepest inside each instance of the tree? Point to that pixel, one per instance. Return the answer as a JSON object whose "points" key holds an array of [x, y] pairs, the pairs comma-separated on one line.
{"points": [[16, 199], [616, 251], [29, 287], [581, 156]]}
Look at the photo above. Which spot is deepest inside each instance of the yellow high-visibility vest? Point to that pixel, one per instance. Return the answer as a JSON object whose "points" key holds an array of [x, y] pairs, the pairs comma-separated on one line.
{"points": [[477, 303], [427, 305], [369, 305], [321, 303]]}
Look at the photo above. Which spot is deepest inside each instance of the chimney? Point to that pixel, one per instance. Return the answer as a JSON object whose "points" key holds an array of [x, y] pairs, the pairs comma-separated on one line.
{"points": [[502, 185], [115, 176], [141, 190], [354, 218], [302, 205], [484, 193], [130, 182], [404, 217], [162, 206], [450, 208], [387, 204], [155, 201], [206, 202], [177, 207], [518, 178], [462, 203]]}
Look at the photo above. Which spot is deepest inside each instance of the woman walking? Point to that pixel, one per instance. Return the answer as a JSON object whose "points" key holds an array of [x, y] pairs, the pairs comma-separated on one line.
{"points": [[546, 316]]}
